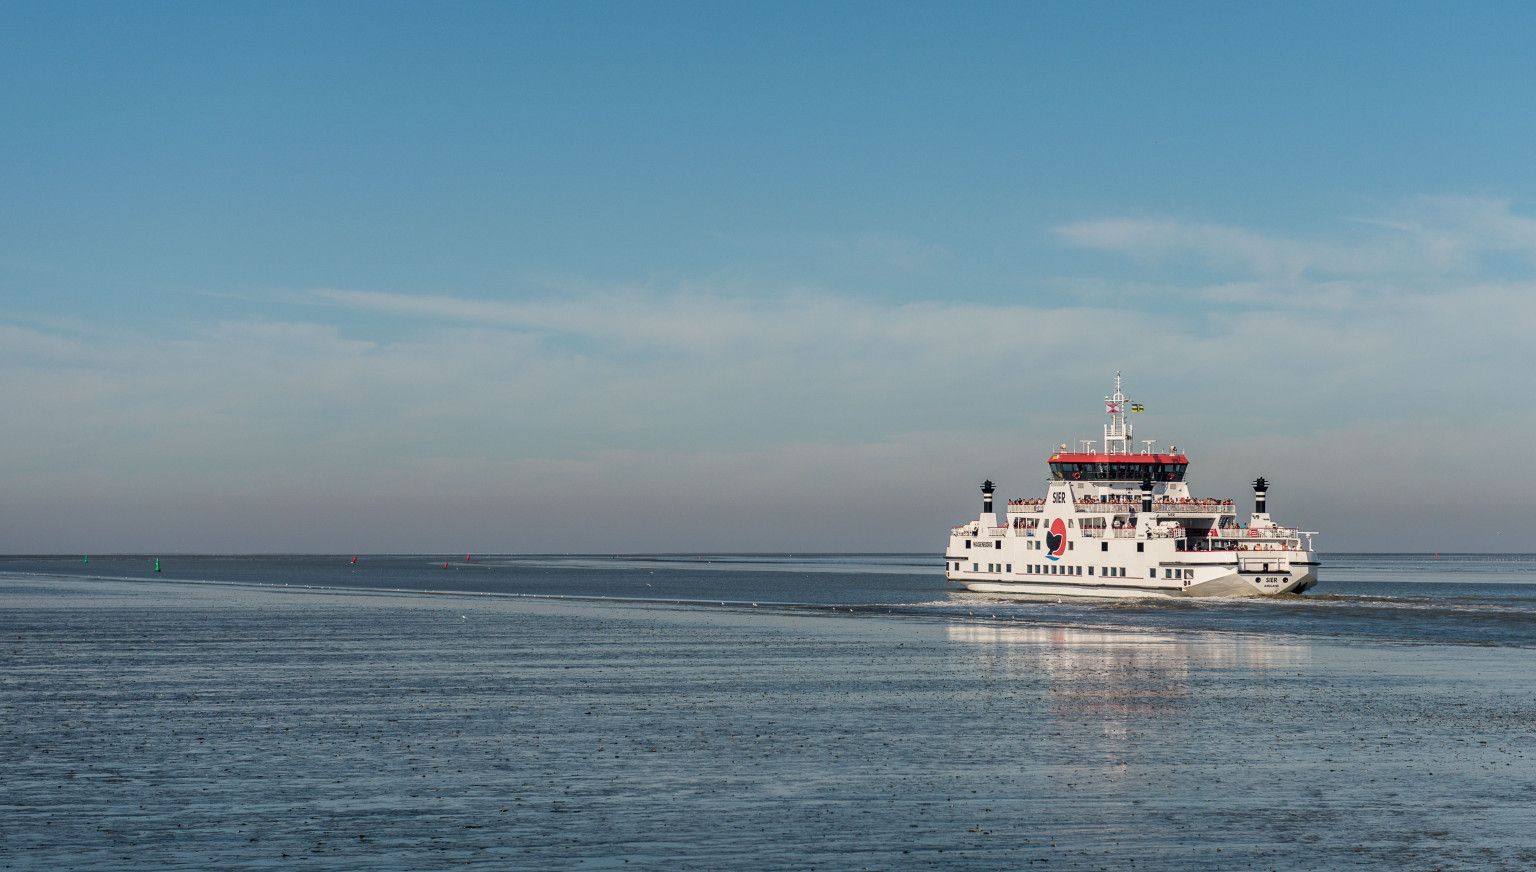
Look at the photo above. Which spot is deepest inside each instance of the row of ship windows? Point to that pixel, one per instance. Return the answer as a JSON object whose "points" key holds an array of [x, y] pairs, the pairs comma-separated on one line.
{"points": [[1118, 471], [1064, 569], [1036, 545]]}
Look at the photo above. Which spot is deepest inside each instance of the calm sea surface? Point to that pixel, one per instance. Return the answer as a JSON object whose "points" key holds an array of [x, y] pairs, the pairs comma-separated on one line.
{"points": [[1452, 598], [755, 711]]}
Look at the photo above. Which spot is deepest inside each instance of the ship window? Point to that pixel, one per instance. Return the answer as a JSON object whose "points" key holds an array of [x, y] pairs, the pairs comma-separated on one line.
{"points": [[1189, 573], [1090, 570], [967, 543], [1010, 567], [973, 567], [1103, 546], [1070, 545], [1141, 546], [1152, 573]]}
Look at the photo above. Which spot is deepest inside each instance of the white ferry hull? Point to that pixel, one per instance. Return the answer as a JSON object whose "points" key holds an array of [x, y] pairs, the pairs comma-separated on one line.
{"points": [[1232, 585]]}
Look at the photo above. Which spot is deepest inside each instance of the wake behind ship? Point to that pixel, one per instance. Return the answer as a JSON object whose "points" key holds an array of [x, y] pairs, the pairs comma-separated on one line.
{"points": [[1119, 523]]}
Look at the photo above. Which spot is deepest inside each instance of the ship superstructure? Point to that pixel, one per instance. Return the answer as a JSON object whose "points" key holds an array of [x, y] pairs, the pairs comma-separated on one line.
{"points": [[1122, 522]]}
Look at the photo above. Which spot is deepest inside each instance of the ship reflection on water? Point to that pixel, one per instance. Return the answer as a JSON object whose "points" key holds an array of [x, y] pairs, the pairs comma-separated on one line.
{"points": [[1107, 687]]}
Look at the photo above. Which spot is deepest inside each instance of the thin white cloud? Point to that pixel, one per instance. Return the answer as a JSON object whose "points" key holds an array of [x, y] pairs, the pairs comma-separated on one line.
{"points": [[471, 412], [1428, 238]]}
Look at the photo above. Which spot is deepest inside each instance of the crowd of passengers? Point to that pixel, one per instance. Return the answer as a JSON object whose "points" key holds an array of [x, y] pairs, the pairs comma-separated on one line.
{"points": [[1132, 500]]}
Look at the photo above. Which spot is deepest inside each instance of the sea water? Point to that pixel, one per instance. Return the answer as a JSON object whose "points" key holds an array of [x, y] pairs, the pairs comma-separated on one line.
{"points": [[1420, 598], [760, 711]]}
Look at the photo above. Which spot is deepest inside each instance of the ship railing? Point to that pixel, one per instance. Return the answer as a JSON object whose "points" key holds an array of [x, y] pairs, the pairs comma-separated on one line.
{"points": [[1288, 545], [1162, 508], [1258, 533], [1194, 508], [1015, 508], [1245, 547], [1125, 533]]}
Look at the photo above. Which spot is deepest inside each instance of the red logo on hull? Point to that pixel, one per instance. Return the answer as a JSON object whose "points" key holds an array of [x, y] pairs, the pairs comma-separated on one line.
{"points": [[1056, 539]]}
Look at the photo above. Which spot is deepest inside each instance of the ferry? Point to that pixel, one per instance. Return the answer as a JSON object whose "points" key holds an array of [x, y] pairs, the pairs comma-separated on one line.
{"points": [[1123, 523]]}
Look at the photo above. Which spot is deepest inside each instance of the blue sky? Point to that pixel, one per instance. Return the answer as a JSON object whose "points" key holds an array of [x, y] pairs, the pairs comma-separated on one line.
{"points": [[716, 277]]}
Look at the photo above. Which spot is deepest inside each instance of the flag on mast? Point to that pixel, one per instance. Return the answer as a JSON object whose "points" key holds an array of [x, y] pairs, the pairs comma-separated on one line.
{"points": [[1138, 407]]}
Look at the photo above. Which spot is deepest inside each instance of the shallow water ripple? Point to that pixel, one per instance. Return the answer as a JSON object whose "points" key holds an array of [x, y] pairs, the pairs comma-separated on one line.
{"points": [[149, 725]]}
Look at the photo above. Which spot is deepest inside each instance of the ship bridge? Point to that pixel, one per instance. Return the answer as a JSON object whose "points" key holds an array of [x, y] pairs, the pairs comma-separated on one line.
{"points": [[1118, 462], [1090, 466]]}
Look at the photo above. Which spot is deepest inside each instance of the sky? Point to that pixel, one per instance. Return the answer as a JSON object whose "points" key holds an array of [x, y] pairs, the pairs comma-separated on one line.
{"points": [[640, 277]]}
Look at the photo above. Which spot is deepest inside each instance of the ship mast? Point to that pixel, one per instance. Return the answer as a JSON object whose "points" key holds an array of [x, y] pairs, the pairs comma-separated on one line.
{"points": [[1118, 432]]}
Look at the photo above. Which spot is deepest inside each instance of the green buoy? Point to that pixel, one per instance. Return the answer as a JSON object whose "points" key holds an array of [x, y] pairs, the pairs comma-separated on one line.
{"points": [[157, 564], [87, 558]]}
